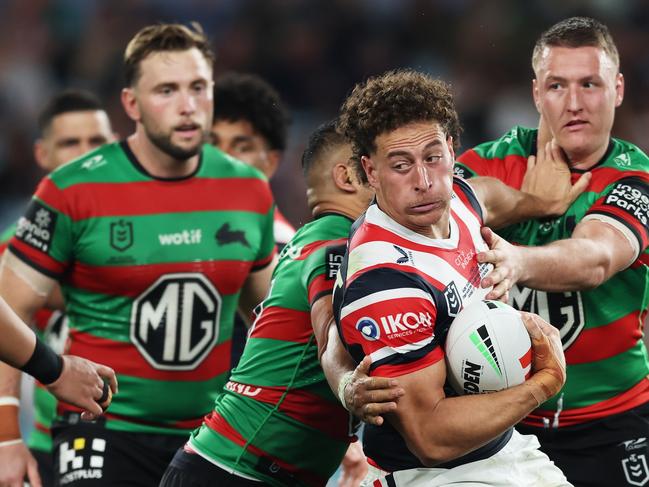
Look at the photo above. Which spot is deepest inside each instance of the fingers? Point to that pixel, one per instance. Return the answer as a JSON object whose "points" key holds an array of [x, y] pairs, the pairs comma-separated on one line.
{"points": [[363, 369], [500, 291], [32, 474], [580, 186], [489, 236]]}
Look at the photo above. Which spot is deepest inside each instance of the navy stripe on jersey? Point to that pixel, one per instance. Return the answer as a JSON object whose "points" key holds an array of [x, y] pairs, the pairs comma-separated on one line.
{"points": [[629, 196], [470, 194]]}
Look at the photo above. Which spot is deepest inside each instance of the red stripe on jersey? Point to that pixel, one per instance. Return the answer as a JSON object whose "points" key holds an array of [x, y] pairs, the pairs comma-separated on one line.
{"points": [[604, 176], [51, 195], [634, 397], [605, 341], [41, 427], [319, 286], [509, 170], [308, 249], [284, 324], [227, 276], [307, 408], [125, 359], [42, 318], [93, 200], [397, 370], [369, 232], [217, 423], [35, 258]]}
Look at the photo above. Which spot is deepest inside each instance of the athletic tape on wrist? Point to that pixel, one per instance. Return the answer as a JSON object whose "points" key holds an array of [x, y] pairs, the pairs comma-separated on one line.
{"points": [[345, 380], [10, 442], [44, 364], [9, 401]]}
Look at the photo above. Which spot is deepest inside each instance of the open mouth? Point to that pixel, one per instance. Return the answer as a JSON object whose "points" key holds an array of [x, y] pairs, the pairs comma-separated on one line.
{"points": [[187, 129]]}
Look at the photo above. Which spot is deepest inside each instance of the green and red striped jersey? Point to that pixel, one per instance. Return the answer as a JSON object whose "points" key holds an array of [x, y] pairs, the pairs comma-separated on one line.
{"points": [[277, 409], [151, 271], [601, 329]]}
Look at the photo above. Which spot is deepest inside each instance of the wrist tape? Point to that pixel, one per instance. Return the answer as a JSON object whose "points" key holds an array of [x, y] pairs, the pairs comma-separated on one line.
{"points": [[44, 364]]}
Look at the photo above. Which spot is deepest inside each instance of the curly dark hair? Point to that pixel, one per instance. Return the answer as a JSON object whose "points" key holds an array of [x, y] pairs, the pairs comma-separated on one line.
{"points": [[389, 101], [576, 32], [239, 96]]}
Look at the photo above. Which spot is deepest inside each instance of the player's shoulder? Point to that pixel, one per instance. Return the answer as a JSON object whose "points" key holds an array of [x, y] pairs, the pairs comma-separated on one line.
{"points": [[518, 140], [98, 165], [317, 236], [625, 156], [218, 164]]}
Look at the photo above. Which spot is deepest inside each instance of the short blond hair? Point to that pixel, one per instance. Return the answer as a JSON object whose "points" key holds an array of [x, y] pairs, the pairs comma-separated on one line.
{"points": [[163, 37], [576, 32]]}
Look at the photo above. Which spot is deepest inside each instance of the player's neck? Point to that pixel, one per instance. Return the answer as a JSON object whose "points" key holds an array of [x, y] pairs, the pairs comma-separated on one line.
{"points": [[157, 163], [342, 205], [586, 161]]}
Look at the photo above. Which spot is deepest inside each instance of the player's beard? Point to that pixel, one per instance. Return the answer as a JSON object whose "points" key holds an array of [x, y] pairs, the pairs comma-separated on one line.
{"points": [[163, 142]]}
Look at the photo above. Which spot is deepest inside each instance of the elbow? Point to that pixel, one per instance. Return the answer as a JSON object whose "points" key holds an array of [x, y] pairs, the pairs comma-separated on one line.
{"points": [[432, 455], [595, 277]]}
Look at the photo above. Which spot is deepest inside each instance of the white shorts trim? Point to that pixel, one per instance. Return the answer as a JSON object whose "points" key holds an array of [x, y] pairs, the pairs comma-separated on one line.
{"points": [[518, 463]]}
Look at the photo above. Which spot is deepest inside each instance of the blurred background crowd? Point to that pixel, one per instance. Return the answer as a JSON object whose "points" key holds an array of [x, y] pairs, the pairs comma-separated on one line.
{"points": [[312, 51]]}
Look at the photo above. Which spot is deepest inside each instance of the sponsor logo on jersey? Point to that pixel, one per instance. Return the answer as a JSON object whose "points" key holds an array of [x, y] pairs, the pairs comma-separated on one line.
{"points": [[630, 196], [623, 160], [564, 310], [225, 236], [36, 227], [403, 324], [175, 322], [121, 235], [471, 374], [291, 251], [369, 328], [462, 172], [94, 162], [403, 255], [453, 299], [243, 389], [464, 257], [482, 341], [635, 469], [81, 459], [333, 259], [636, 444], [184, 237]]}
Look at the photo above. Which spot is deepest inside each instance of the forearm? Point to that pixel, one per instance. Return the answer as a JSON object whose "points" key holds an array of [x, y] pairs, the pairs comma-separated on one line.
{"points": [[566, 265], [459, 425], [506, 205], [334, 359], [18, 340]]}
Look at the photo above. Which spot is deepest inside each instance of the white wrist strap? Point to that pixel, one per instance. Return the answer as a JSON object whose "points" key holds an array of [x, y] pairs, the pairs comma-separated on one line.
{"points": [[10, 442], [345, 380], [9, 401]]}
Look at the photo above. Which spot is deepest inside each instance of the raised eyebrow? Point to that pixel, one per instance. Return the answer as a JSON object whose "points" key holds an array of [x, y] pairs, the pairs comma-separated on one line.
{"points": [[430, 145]]}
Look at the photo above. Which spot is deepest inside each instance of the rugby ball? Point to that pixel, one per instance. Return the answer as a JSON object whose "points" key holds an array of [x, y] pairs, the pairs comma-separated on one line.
{"points": [[487, 348]]}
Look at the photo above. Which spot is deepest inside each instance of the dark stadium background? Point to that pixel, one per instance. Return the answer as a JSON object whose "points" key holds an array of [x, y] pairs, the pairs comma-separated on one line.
{"points": [[313, 51]]}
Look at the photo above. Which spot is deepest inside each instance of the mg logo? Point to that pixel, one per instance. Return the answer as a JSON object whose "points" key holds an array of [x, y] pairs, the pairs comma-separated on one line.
{"points": [[175, 323], [564, 310]]}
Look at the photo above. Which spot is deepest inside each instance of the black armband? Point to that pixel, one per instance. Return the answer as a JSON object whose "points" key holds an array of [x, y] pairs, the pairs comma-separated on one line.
{"points": [[44, 364]]}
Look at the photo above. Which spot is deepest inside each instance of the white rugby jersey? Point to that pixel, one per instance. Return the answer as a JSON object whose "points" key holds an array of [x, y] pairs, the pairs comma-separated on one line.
{"points": [[395, 297]]}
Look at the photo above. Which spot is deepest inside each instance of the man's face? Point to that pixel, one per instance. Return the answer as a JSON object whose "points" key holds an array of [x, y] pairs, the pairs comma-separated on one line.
{"points": [[71, 135], [576, 90], [174, 101], [240, 140], [412, 174]]}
